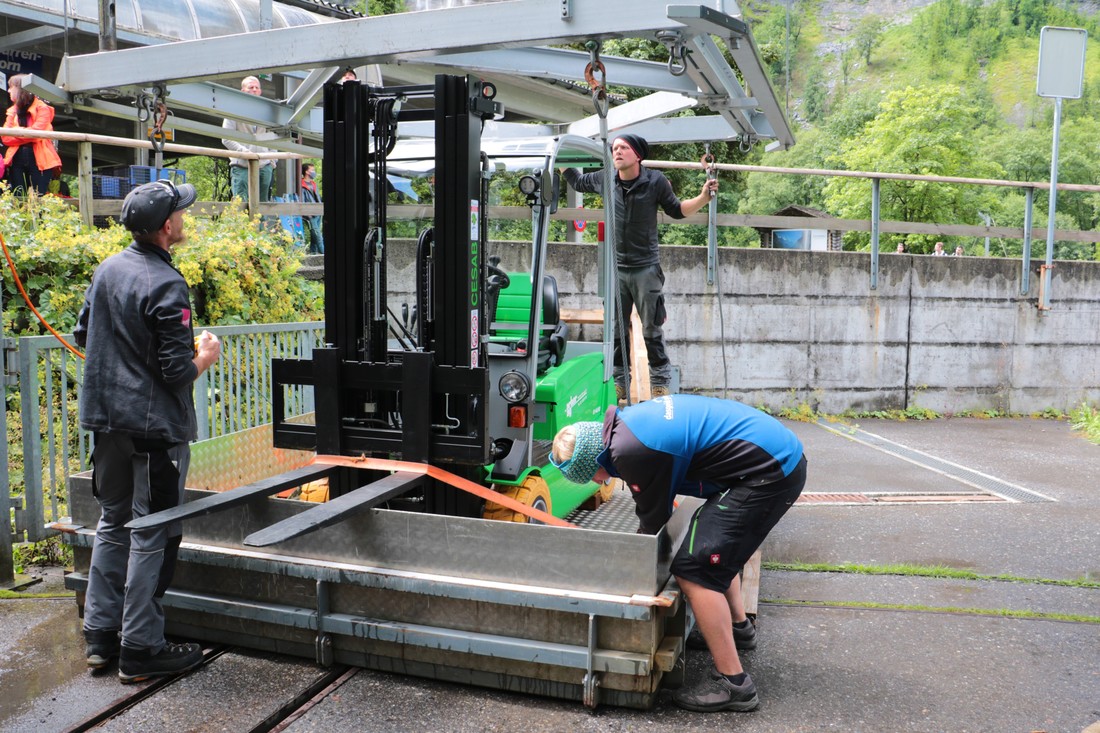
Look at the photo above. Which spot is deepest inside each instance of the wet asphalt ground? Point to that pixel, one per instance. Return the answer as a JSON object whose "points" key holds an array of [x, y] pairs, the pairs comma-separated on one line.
{"points": [[837, 650]]}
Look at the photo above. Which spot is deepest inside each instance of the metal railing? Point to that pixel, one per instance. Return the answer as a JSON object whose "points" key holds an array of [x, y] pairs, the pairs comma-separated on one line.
{"points": [[233, 395]]}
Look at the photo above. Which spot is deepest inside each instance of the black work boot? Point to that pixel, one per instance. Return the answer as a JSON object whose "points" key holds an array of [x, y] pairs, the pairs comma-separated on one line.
{"points": [[100, 646], [138, 665], [717, 694], [743, 638]]}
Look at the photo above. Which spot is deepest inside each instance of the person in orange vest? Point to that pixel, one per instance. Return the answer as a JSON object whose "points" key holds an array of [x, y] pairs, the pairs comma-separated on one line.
{"points": [[31, 161]]}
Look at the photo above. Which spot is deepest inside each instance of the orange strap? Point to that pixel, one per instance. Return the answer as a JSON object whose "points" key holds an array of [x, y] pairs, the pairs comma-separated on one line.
{"points": [[385, 464]]}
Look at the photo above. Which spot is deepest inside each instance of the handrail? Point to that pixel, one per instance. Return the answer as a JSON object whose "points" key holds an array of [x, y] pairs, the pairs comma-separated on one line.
{"points": [[125, 142]]}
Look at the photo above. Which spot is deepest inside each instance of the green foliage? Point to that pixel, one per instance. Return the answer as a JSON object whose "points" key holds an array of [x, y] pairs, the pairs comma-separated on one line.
{"points": [[54, 255], [1086, 419], [238, 272], [913, 412], [50, 551], [926, 131], [868, 36], [766, 193], [919, 571], [209, 176]]}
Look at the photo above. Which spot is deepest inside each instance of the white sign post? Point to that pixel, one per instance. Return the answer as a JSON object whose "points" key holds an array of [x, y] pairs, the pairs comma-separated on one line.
{"points": [[1061, 75]]}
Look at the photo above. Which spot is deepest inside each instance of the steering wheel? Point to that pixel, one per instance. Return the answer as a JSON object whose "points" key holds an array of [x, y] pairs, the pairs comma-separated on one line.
{"points": [[497, 277]]}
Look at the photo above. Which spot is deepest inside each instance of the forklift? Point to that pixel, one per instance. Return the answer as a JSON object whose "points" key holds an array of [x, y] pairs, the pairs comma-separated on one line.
{"points": [[479, 375]]}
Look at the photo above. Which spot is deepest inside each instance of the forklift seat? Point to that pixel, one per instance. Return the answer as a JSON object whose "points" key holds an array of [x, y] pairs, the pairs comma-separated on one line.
{"points": [[513, 307]]}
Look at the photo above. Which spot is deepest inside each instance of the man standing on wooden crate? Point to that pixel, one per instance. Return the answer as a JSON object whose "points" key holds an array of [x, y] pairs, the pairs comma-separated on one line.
{"points": [[748, 467], [639, 192], [238, 167], [141, 360]]}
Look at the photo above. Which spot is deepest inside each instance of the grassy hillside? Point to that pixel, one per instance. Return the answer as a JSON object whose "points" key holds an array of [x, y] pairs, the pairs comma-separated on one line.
{"points": [[946, 87]]}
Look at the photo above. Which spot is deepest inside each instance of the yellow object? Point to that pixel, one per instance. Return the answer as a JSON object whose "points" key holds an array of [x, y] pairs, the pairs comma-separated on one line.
{"points": [[533, 492], [316, 491]]}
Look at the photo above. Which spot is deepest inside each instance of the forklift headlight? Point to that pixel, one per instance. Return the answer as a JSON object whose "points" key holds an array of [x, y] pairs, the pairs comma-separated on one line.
{"points": [[515, 387], [528, 185]]}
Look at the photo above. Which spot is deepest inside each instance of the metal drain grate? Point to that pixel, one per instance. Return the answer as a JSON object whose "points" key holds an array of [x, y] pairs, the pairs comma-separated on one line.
{"points": [[1003, 489], [833, 498]]}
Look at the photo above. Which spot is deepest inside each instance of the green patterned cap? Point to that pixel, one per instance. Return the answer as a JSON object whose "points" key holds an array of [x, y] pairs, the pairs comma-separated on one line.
{"points": [[582, 466]]}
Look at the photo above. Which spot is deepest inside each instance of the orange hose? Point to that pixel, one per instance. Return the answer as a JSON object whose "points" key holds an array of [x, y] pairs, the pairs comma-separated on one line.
{"points": [[19, 284], [385, 464]]}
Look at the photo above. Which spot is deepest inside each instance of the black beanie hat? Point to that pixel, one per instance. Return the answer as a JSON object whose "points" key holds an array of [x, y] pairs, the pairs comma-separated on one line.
{"points": [[637, 144]]}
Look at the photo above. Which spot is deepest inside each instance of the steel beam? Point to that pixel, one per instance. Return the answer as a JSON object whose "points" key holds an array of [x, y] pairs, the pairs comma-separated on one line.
{"points": [[383, 39], [742, 47], [561, 63], [646, 108], [16, 41]]}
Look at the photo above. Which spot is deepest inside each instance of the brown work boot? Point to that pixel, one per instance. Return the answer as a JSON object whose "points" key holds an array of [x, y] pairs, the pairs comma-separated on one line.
{"points": [[659, 390]]}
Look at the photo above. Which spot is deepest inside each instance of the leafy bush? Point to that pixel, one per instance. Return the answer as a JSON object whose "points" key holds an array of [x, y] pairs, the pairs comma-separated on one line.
{"points": [[1087, 419], [238, 271]]}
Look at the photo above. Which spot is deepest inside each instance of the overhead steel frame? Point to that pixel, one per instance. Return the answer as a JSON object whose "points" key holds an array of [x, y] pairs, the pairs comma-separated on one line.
{"points": [[502, 34]]}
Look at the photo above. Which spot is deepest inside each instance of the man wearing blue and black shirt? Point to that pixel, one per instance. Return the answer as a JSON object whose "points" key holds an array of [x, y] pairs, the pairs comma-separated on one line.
{"points": [[748, 467]]}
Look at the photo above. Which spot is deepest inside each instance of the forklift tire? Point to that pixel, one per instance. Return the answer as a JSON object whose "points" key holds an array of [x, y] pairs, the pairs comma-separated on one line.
{"points": [[533, 492]]}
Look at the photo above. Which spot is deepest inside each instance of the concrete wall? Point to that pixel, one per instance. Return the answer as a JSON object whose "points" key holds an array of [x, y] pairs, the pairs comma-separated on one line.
{"points": [[945, 333]]}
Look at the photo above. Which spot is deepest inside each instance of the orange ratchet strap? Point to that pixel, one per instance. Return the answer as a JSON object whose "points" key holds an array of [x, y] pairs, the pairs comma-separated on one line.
{"points": [[385, 464]]}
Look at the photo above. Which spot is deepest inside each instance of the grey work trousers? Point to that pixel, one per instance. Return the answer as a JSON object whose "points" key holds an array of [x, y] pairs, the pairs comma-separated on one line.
{"points": [[643, 288], [131, 570]]}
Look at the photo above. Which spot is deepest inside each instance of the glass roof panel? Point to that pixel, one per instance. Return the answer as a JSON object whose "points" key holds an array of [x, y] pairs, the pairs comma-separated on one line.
{"points": [[170, 18]]}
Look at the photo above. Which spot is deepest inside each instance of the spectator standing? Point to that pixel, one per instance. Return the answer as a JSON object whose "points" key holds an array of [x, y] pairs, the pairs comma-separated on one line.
{"points": [[638, 193], [938, 251], [30, 161], [349, 75], [311, 225], [959, 251], [238, 167], [748, 467], [141, 360]]}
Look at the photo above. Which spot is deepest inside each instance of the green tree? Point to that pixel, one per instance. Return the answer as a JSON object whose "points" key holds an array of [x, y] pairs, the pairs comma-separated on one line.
{"points": [[868, 36], [926, 131], [769, 192], [816, 97]]}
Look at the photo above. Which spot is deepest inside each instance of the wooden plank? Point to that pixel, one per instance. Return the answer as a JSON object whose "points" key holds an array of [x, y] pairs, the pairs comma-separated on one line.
{"points": [[639, 361], [582, 315], [234, 497], [336, 510], [750, 584]]}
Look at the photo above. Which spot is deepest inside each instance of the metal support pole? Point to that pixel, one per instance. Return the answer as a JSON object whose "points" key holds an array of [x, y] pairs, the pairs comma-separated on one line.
{"points": [[108, 31], [7, 563], [875, 211], [1025, 280], [1052, 208]]}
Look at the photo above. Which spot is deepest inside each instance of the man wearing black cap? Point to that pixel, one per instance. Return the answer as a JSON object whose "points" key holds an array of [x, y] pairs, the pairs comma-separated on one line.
{"points": [[140, 362], [639, 191]]}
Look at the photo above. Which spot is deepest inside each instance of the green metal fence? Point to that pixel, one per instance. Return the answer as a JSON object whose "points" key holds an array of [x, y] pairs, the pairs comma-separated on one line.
{"points": [[233, 395]]}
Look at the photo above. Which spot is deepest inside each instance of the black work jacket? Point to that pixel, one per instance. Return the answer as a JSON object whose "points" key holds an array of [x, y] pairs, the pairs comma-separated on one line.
{"points": [[636, 205]]}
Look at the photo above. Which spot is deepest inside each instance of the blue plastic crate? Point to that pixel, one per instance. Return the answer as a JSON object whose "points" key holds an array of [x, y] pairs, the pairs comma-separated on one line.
{"points": [[140, 174], [109, 187]]}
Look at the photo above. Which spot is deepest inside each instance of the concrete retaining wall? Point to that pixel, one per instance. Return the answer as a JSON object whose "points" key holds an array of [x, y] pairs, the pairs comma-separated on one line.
{"points": [[949, 334]]}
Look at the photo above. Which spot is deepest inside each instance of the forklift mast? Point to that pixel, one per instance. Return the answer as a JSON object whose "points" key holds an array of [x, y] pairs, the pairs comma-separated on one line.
{"points": [[426, 403]]}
